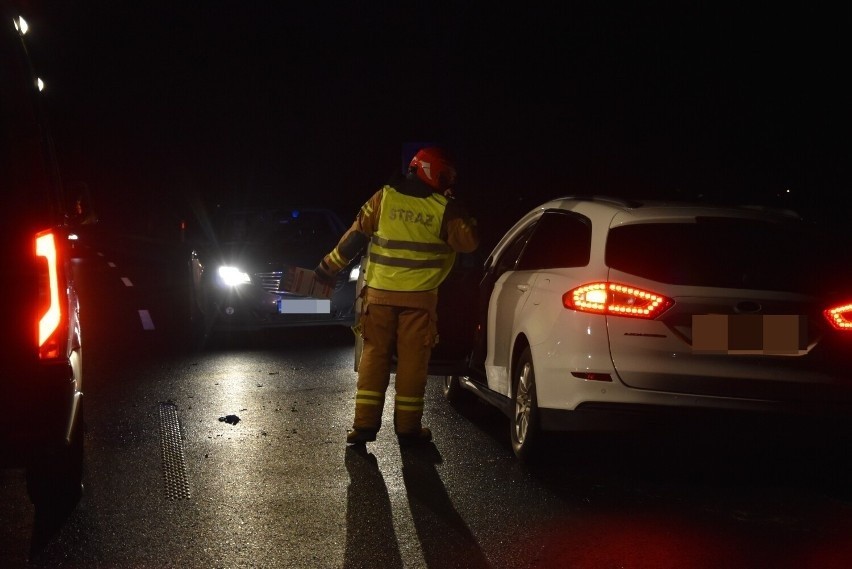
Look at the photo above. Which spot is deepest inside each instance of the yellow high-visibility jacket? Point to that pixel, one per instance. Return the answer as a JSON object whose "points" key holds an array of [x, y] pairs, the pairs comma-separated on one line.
{"points": [[407, 252], [456, 229]]}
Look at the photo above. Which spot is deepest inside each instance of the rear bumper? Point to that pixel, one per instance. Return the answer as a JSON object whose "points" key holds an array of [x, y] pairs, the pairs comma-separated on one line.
{"points": [[40, 407], [258, 310]]}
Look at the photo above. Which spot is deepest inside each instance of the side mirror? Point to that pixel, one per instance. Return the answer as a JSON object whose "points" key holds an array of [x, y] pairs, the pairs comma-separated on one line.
{"points": [[78, 208]]}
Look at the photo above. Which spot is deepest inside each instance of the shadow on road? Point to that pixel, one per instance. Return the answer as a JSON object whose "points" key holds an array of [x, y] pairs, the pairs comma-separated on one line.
{"points": [[444, 536], [696, 465], [370, 537]]}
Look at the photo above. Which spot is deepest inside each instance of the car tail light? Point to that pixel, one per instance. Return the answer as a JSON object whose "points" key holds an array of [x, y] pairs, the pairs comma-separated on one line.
{"points": [[616, 299], [840, 317], [50, 306]]}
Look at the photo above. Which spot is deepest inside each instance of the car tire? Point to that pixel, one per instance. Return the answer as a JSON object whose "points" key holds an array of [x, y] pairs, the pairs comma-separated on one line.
{"points": [[193, 312], [197, 320], [198, 331], [454, 393], [55, 476], [452, 388], [525, 432]]}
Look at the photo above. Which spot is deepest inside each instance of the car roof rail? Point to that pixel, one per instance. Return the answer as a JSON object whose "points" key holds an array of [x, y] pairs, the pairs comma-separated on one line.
{"points": [[622, 202], [782, 211]]}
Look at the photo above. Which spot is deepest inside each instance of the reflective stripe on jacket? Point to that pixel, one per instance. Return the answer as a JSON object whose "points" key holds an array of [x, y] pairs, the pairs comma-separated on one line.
{"points": [[406, 252]]}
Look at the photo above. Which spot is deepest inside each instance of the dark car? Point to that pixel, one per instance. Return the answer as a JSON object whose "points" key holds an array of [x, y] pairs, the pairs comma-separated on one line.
{"points": [[41, 426], [237, 266]]}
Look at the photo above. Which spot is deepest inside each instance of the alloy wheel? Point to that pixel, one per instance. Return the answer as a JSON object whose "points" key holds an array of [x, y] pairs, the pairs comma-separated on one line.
{"points": [[522, 405]]}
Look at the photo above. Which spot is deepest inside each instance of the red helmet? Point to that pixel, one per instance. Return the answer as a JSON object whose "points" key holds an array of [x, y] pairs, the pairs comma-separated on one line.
{"points": [[434, 168]]}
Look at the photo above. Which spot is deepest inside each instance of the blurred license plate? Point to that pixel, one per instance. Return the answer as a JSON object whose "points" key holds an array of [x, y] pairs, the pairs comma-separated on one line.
{"points": [[749, 334], [304, 306]]}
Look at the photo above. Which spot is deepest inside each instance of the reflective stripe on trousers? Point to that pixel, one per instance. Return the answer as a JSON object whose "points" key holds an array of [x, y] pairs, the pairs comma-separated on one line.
{"points": [[413, 332]]}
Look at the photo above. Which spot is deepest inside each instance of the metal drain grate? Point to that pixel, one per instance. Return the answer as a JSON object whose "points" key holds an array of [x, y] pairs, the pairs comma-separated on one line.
{"points": [[171, 448]]}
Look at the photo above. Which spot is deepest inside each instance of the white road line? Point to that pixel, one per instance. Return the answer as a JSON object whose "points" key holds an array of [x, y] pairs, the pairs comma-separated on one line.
{"points": [[111, 264], [145, 317], [126, 281]]}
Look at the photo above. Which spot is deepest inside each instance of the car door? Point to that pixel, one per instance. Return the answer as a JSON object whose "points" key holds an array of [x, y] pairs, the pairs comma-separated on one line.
{"points": [[526, 290], [457, 316], [501, 292]]}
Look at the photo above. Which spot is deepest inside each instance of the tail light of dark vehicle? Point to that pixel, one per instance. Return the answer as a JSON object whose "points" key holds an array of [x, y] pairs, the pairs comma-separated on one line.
{"points": [[51, 335]]}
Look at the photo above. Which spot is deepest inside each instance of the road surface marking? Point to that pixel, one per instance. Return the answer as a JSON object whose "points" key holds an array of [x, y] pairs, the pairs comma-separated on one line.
{"points": [[171, 451], [145, 317]]}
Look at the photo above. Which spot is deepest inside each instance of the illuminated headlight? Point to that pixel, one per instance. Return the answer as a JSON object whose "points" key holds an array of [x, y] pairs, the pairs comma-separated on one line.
{"points": [[232, 276], [355, 273]]}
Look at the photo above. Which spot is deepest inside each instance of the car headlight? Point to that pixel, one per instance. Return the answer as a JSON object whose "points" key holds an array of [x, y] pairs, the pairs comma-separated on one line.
{"points": [[232, 276], [355, 273]]}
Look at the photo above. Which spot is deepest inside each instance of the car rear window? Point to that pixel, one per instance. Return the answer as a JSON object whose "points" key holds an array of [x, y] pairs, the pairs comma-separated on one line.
{"points": [[725, 252]]}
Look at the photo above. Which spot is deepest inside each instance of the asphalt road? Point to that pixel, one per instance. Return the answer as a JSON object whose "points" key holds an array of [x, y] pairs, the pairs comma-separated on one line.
{"points": [[233, 456]]}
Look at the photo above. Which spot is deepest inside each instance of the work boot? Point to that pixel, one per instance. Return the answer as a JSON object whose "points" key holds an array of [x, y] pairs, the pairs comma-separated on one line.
{"points": [[360, 436], [423, 436]]}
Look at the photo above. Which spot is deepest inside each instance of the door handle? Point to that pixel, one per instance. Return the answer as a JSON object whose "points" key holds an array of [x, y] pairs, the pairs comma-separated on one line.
{"points": [[523, 287]]}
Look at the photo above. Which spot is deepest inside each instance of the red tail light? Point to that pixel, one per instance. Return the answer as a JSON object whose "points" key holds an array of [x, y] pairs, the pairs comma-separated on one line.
{"points": [[50, 309], [840, 317], [616, 299]]}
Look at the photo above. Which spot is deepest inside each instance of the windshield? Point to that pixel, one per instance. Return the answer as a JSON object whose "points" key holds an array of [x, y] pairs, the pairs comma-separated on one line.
{"points": [[277, 227]]}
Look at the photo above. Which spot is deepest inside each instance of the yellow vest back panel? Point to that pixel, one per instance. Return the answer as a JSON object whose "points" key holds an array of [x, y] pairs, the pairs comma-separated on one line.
{"points": [[407, 252]]}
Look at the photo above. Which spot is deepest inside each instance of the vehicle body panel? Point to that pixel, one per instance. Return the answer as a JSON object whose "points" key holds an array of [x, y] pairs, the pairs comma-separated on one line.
{"points": [[511, 294], [41, 427]]}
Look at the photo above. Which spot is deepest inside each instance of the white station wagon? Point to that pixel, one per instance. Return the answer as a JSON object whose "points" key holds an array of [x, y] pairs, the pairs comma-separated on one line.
{"points": [[593, 311]]}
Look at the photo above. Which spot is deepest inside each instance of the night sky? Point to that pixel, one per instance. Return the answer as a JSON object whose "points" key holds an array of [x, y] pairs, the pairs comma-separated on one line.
{"points": [[313, 101]]}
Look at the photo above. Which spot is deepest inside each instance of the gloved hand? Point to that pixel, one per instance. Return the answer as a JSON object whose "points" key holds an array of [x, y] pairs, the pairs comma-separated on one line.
{"points": [[324, 275]]}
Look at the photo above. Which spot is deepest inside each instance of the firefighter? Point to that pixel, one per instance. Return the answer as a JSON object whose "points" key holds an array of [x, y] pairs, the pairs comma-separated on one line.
{"points": [[414, 227]]}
